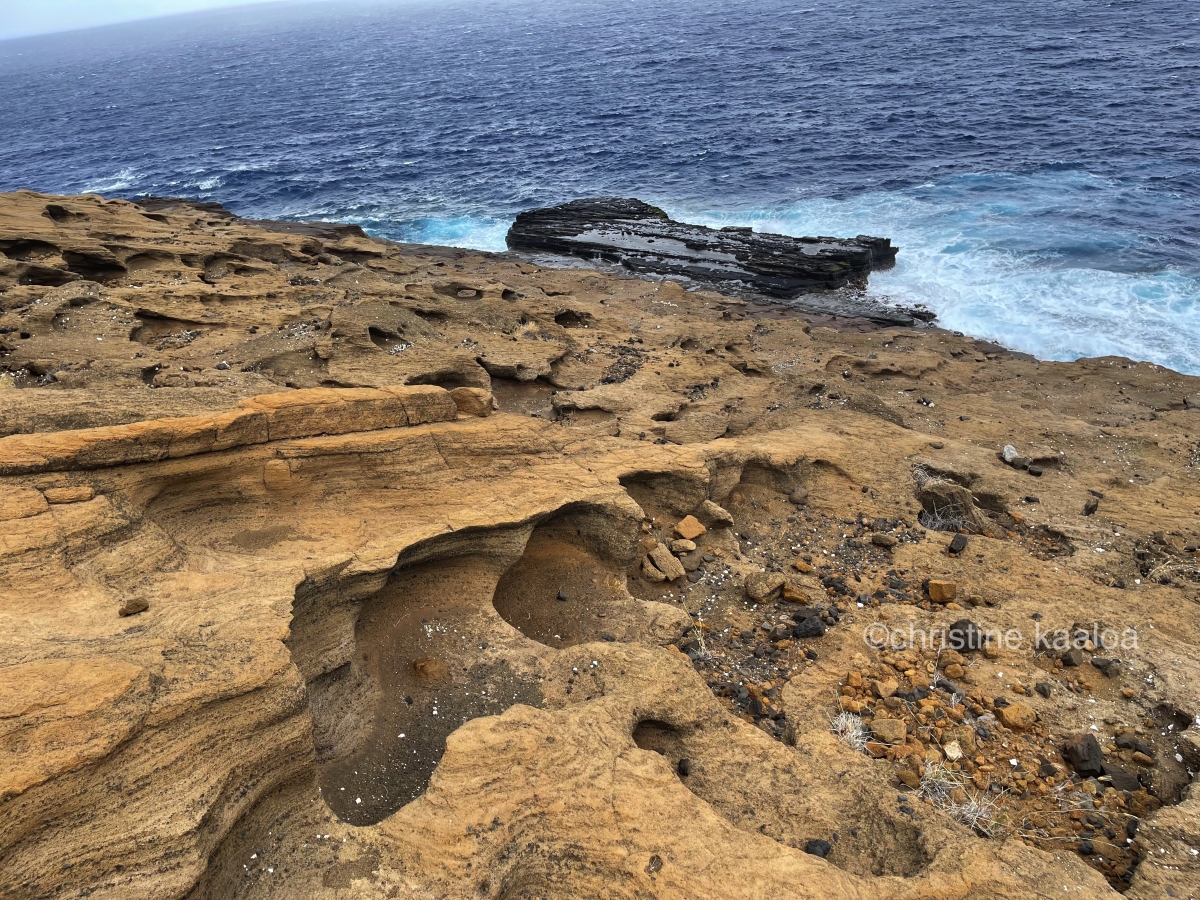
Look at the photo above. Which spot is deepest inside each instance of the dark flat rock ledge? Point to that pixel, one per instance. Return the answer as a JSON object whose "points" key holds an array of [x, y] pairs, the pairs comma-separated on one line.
{"points": [[645, 240]]}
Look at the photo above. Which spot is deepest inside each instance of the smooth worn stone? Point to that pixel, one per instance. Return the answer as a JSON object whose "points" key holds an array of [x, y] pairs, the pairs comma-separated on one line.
{"points": [[883, 540], [682, 546], [21, 503], [473, 401], [689, 528]]}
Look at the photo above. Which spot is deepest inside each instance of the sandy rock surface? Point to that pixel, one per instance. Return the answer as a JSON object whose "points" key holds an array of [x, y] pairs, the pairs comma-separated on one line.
{"points": [[337, 568]]}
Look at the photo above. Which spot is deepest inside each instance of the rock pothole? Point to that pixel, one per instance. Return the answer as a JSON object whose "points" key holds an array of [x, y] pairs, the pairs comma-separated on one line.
{"points": [[562, 592], [393, 668], [390, 677]]}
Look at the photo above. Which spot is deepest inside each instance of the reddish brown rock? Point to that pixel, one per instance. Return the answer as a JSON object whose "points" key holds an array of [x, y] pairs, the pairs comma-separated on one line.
{"points": [[689, 528], [942, 590]]}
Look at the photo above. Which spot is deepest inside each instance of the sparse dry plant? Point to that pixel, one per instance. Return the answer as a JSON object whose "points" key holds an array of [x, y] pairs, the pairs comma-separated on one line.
{"points": [[849, 729], [950, 792]]}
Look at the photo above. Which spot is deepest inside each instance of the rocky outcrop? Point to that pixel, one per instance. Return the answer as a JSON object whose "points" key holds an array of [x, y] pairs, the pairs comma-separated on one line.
{"points": [[644, 239], [272, 417], [335, 568]]}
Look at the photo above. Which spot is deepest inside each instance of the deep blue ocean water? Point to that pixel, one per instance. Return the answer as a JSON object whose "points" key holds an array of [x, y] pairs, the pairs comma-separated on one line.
{"points": [[1038, 161]]}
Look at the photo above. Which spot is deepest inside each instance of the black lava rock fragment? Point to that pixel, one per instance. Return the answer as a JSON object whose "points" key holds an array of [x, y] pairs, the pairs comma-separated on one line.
{"points": [[818, 847], [964, 635], [1072, 658], [811, 627], [1120, 779], [1084, 754]]}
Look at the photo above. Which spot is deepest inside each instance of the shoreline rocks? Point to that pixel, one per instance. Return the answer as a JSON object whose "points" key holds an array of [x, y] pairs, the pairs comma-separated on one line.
{"points": [[644, 239]]}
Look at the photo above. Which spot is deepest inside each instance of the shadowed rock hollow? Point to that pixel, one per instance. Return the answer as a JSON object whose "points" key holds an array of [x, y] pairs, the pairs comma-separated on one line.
{"points": [[333, 568]]}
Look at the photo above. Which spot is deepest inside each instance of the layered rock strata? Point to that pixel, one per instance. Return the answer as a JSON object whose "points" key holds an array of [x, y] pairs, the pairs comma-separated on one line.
{"points": [[327, 569], [644, 239]]}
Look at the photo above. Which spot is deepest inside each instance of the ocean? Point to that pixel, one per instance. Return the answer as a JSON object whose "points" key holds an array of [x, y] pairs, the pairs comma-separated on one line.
{"points": [[1037, 162]]}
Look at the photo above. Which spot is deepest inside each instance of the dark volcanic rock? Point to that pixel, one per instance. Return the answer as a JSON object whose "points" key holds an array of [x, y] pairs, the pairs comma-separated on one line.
{"points": [[965, 635], [811, 627], [1120, 779], [644, 239], [1084, 754], [818, 847]]}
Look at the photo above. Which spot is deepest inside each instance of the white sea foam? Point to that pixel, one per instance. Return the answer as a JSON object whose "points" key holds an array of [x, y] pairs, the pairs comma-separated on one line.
{"points": [[991, 264], [474, 233], [982, 253], [123, 180], [463, 231]]}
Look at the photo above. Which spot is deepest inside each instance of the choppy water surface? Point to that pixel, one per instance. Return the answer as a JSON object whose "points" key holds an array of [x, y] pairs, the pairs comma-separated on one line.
{"points": [[1038, 163]]}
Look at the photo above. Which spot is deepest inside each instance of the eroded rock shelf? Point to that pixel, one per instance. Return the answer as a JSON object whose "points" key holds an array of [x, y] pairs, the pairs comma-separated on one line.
{"points": [[331, 567]]}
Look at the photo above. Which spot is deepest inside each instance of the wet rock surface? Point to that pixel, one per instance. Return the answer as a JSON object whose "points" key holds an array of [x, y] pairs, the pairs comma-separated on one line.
{"points": [[643, 239]]}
